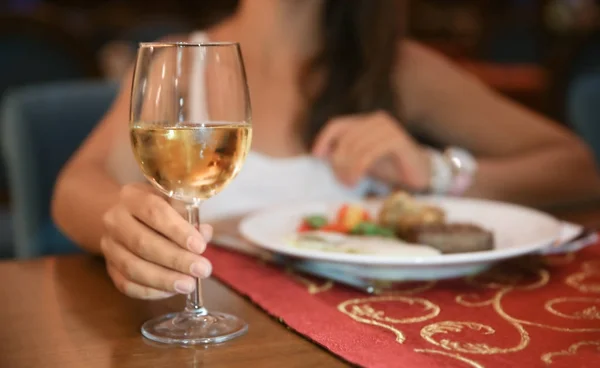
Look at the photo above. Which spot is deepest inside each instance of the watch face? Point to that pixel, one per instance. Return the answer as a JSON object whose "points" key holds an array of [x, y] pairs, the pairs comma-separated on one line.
{"points": [[462, 159], [441, 173], [465, 165]]}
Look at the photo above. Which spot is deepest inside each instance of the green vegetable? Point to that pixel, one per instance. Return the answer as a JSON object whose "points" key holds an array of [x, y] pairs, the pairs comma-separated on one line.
{"points": [[385, 232], [372, 229], [316, 221]]}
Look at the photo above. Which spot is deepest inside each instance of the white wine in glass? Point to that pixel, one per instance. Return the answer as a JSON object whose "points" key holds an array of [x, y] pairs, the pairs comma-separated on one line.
{"points": [[190, 132], [189, 162]]}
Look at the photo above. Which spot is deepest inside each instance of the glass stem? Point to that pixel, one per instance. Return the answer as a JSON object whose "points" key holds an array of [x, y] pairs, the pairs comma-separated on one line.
{"points": [[194, 303]]}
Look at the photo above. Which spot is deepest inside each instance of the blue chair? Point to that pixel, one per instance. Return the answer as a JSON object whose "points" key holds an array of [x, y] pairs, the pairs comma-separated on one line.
{"points": [[583, 109], [41, 128], [33, 51], [583, 60]]}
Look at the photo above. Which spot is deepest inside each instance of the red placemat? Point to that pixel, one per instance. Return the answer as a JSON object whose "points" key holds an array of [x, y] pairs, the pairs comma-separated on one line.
{"points": [[531, 312]]}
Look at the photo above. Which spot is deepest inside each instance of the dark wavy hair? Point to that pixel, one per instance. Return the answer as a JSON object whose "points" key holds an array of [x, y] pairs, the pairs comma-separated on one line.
{"points": [[358, 58], [356, 62]]}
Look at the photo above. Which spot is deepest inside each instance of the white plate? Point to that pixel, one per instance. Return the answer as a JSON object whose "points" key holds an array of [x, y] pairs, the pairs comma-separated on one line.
{"points": [[517, 230]]}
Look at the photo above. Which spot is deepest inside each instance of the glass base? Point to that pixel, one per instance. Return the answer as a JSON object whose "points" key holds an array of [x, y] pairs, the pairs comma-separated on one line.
{"points": [[190, 328]]}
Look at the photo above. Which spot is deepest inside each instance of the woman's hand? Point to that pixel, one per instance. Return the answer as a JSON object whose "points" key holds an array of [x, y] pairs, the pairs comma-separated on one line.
{"points": [[373, 145], [151, 251]]}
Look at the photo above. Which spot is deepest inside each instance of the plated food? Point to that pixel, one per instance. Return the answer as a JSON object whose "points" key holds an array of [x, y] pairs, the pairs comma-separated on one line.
{"points": [[413, 227], [355, 252]]}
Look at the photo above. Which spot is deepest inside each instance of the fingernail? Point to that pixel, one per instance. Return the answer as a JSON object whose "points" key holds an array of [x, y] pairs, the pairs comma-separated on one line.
{"points": [[184, 286], [196, 244], [206, 231], [160, 295], [201, 269], [166, 294]]}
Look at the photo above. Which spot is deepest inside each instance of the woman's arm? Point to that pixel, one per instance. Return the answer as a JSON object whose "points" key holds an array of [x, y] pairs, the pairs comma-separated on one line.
{"points": [[522, 157], [89, 184], [85, 190], [151, 251]]}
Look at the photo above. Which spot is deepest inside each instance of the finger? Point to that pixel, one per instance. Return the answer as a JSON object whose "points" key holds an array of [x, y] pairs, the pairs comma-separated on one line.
{"points": [[345, 149], [365, 155], [132, 289], [144, 273], [144, 187], [328, 137], [393, 142], [207, 232], [374, 151], [367, 135], [404, 169], [345, 154], [364, 161], [370, 156], [153, 247], [367, 143], [156, 212], [181, 209], [341, 163], [414, 169]]}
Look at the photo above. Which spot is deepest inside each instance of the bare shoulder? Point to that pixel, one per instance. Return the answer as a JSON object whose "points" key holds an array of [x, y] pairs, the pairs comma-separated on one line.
{"points": [[417, 58], [412, 51], [426, 77]]}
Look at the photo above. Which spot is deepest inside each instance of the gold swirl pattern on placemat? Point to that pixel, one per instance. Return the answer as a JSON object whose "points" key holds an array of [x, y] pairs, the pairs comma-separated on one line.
{"points": [[428, 333], [458, 357], [572, 350], [462, 299], [489, 290], [578, 280], [363, 310], [519, 323], [591, 310], [503, 284]]}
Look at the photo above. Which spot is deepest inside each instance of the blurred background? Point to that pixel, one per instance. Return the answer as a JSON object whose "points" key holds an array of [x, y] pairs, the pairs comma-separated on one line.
{"points": [[60, 60]]}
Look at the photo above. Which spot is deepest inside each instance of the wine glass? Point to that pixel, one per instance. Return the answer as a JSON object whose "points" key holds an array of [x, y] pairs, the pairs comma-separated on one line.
{"points": [[191, 130]]}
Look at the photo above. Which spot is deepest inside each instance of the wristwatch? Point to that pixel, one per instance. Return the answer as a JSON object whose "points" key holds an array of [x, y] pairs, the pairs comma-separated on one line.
{"points": [[463, 166], [441, 172], [452, 171]]}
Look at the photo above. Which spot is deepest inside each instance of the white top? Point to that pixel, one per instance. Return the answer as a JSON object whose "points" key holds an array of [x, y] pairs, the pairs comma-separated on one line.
{"points": [[263, 181]]}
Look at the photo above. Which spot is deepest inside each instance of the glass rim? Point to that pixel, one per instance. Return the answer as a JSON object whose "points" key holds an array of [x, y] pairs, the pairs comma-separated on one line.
{"points": [[188, 44]]}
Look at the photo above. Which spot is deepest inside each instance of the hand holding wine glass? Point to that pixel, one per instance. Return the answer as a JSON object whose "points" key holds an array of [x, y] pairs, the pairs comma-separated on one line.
{"points": [[151, 251], [190, 132]]}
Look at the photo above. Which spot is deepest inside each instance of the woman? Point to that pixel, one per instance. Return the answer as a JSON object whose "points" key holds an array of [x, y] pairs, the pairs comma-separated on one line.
{"points": [[339, 102]]}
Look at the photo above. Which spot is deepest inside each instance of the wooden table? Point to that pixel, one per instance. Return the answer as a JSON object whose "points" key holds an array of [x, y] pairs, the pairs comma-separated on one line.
{"points": [[64, 312]]}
